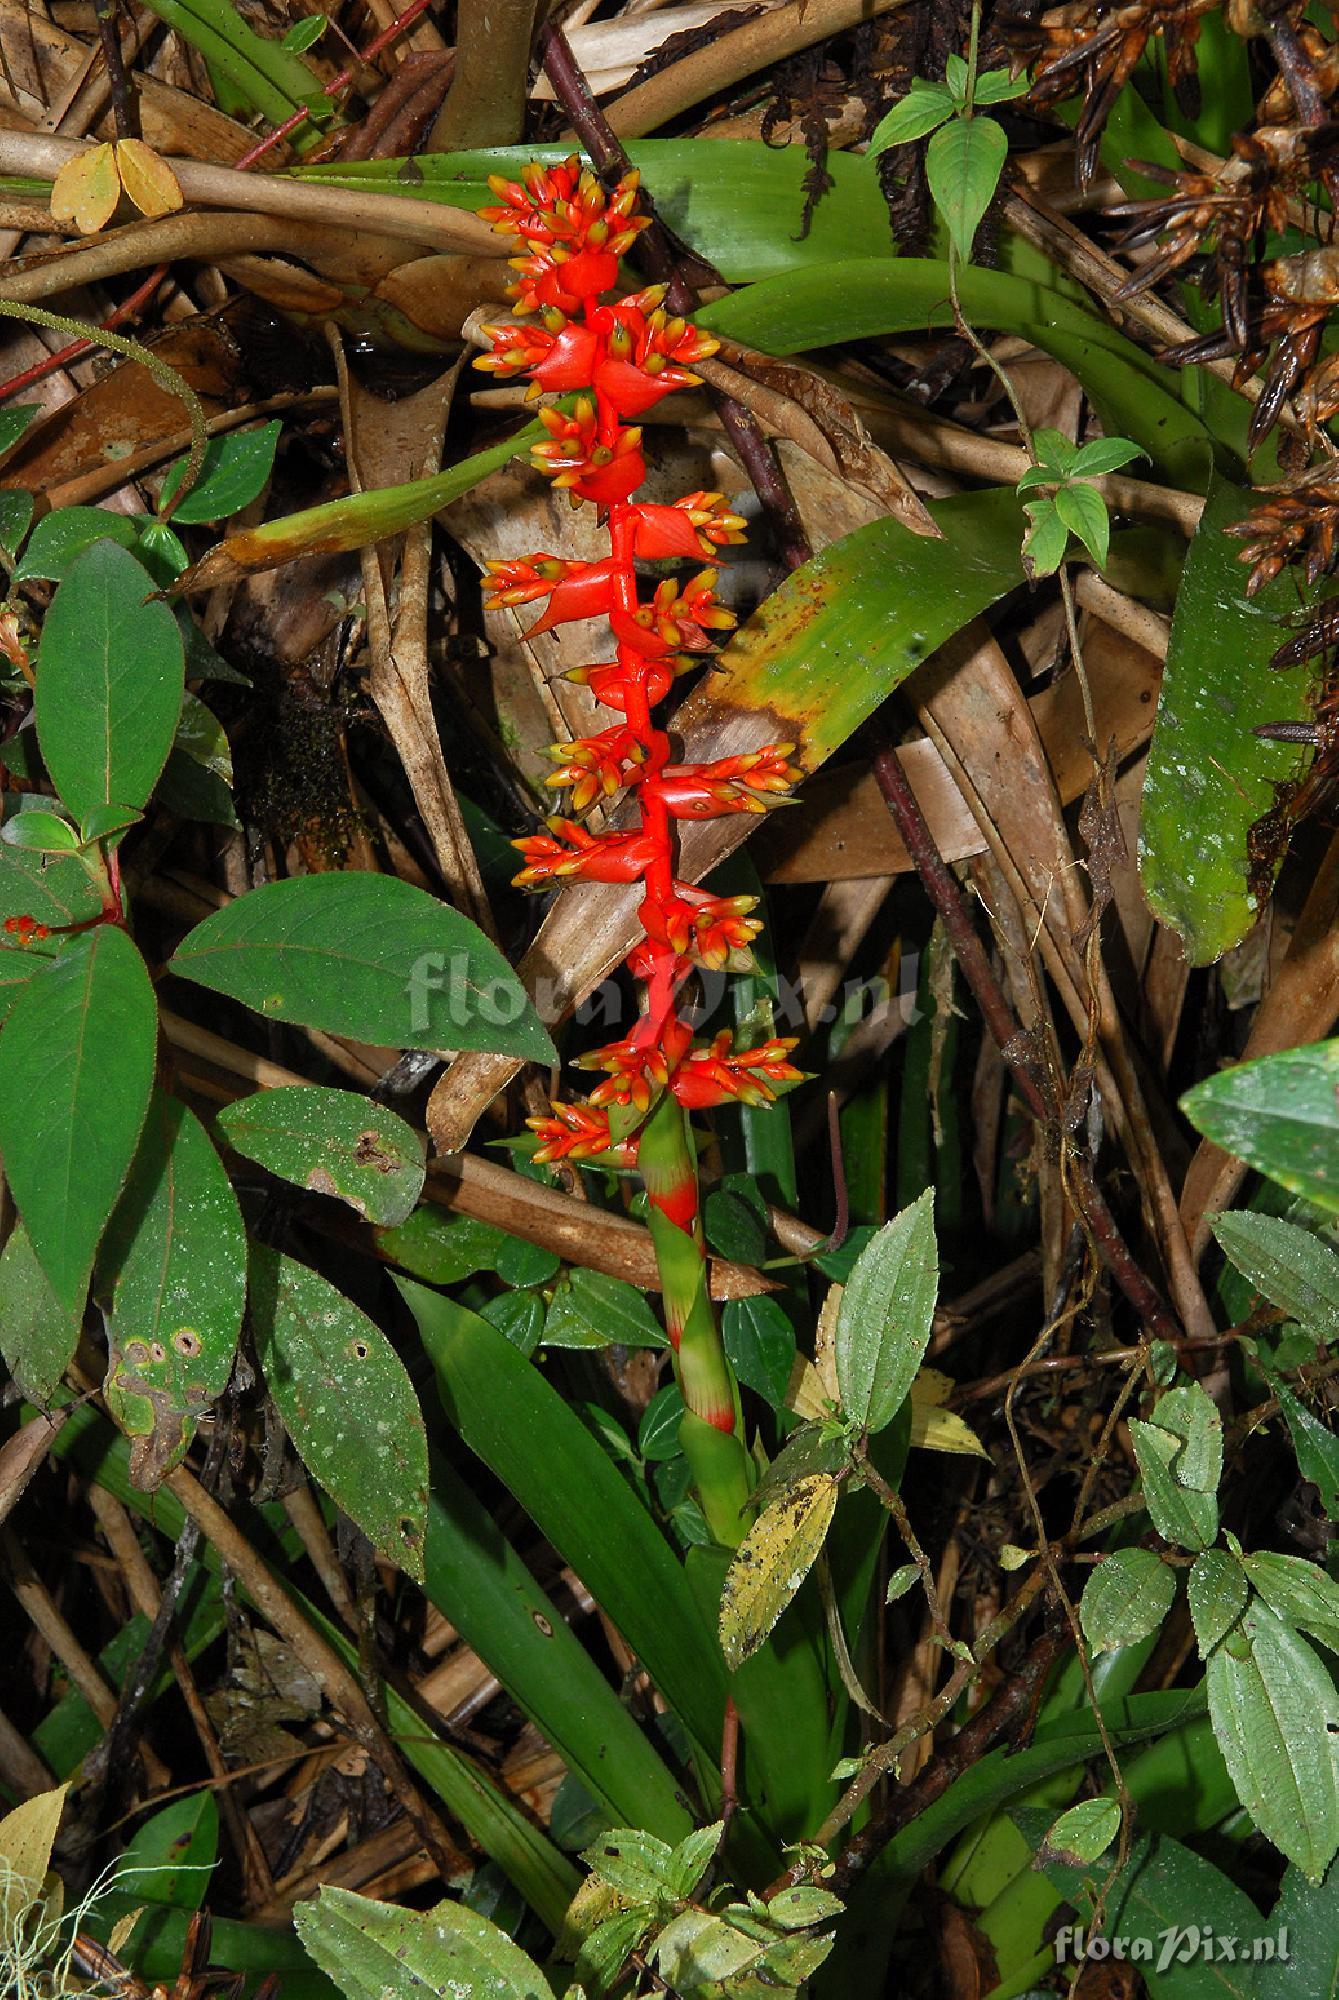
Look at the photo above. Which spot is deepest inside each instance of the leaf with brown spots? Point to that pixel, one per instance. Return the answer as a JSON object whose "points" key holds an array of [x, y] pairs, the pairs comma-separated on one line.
{"points": [[772, 1562]]}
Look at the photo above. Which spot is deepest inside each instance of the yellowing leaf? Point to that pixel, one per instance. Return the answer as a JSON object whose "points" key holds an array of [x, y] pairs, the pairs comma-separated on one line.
{"points": [[772, 1562], [931, 1388], [805, 1393], [147, 178], [88, 187], [26, 1839], [943, 1430], [86, 190]]}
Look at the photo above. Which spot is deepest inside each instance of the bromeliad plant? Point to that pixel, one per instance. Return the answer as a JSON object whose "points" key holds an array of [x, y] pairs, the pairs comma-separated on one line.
{"points": [[620, 358]]}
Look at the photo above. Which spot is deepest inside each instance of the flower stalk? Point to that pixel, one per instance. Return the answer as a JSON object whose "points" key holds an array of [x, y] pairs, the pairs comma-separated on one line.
{"points": [[614, 360]]}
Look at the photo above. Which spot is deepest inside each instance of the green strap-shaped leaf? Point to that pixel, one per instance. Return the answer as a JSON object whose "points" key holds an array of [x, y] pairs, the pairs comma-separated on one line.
{"points": [[367, 956], [535, 1443], [333, 1142], [76, 1071], [374, 1951], [173, 1266], [885, 1315], [1210, 778], [1276, 1717], [110, 675], [1279, 1114], [346, 1402]]}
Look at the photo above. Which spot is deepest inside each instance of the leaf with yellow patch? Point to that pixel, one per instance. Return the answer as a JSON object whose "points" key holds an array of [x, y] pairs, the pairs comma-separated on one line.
{"points": [[934, 1429], [772, 1562], [147, 178], [87, 189], [27, 1836]]}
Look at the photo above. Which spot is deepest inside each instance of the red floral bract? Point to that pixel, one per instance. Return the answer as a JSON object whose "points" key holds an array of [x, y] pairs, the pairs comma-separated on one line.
{"points": [[618, 359]]}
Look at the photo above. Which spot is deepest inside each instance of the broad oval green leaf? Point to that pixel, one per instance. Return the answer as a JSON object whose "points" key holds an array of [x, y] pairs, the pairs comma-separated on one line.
{"points": [[367, 956], [594, 1310], [76, 1072], [963, 163], [1127, 1596], [234, 470], [441, 1246], [1084, 1833], [1210, 778], [110, 678], [1290, 1266], [1275, 1714], [173, 1267], [346, 1401], [1281, 1115], [38, 1335], [1218, 1594], [1181, 1515], [760, 1346], [1310, 1915], [62, 536], [772, 1562], [885, 1316], [375, 1951], [333, 1142]]}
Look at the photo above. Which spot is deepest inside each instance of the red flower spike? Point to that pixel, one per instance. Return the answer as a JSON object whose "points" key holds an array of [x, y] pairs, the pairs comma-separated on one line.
{"points": [[579, 1132], [695, 526], [596, 765], [713, 1075], [568, 851]]}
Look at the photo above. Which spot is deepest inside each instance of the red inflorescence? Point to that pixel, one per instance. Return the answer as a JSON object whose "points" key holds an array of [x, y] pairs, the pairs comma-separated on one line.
{"points": [[618, 359]]}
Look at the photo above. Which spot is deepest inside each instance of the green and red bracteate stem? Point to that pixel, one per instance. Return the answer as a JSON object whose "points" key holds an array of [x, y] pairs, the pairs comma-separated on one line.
{"points": [[712, 1430]]}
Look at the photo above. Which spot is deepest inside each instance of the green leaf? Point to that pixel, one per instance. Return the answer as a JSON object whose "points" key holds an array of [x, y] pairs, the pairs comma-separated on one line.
{"points": [[692, 1858], [167, 1864], [734, 1218], [1316, 1446], [592, 1310], [16, 515], [366, 956], [441, 1247], [963, 164], [1055, 455], [304, 34], [1189, 1414], [1298, 1592], [1310, 1915], [202, 737], [1288, 1265], [760, 1345], [1275, 1715], [772, 1562], [76, 1070], [996, 86], [885, 1316], [1127, 1596], [525, 1264], [52, 889], [542, 1452], [1217, 1591], [1187, 1518], [173, 1266], [1047, 538], [14, 422], [1210, 778], [375, 1951], [1083, 511], [162, 552], [1083, 1834], [333, 1142], [957, 75], [110, 679], [922, 110], [235, 469], [1280, 1115], [658, 1432], [1103, 455], [106, 821], [60, 538], [520, 1315], [638, 1865], [346, 1402], [40, 832], [737, 201], [38, 1335]]}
